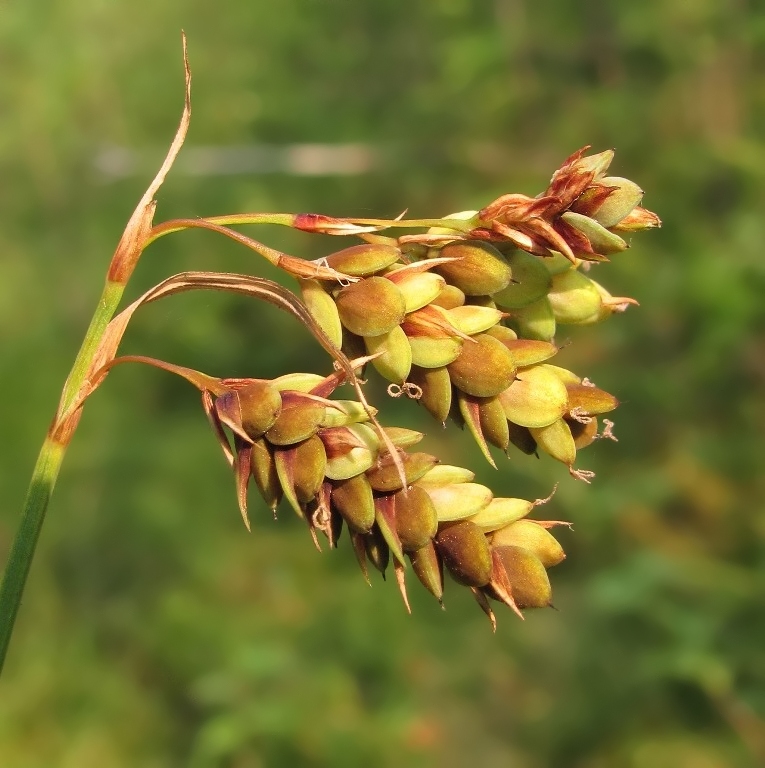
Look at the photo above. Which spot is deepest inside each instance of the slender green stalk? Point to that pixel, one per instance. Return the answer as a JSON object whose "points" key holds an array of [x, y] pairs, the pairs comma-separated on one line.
{"points": [[45, 474]]}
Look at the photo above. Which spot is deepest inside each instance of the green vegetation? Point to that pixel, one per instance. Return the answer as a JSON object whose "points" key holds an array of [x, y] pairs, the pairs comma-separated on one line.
{"points": [[154, 630]]}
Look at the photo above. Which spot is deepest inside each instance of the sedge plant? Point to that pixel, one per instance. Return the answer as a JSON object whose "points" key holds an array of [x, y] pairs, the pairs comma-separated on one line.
{"points": [[458, 313]]}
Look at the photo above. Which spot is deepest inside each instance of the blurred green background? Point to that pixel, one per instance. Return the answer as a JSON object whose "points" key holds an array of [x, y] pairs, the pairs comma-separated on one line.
{"points": [[155, 632]]}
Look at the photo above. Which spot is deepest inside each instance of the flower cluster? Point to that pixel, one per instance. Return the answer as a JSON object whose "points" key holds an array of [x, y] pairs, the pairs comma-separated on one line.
{"points": [[330, 464], [465, 319]]}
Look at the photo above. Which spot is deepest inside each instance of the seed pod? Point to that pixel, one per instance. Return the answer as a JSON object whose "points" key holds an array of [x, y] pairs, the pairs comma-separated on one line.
{"points": [[465, 553], [345, 412], [531, 536], [602, 241], [527, 576], [536, 321], [446, 474], [637, 220], [417, 287], [558, 263], [323, 309], [458, 501], [483, 369], [416, 518], [402, 437], [428, 352], [429, 570], [377, 550], [531, 281], [300, 469], [536, 398], [384, 476], [371, 307], [395, 362], [590, 401], [298, 382], [481, 269], [436, 386], [449, 297], [608, 210], [494, 422], [556, 440], [264, 473], [526, 352], [350, 450], [363, 260], [500, 513], [354, 501], [521, 438], [574, 298], [472, 319], [502, 333], [569, 378], [299, 419]]}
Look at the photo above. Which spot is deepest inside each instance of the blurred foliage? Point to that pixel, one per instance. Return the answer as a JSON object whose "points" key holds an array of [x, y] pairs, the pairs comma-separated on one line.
{"points": [[155, 632]]}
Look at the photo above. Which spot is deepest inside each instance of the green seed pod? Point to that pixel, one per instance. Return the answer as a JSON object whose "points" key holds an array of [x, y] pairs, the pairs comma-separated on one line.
{"points": [[472, 319], [300, 469], [532, 536], [250, 410], [526, 352], [350, 450], [527, 576], [384, 475], [264, 473], [494, 422], [619, 203], [558, 263], [521, 438], [402, 437], [536, 398], [429, 352], [323, 309], [429, 570], [536, 321], [484, 368], [602, 241], [569, 378], [556, 440], [446, 474], [436, 386], [502, 333], [500, 513], [590, 401], [418, 288], [395, 362], [354, 501], [481, 269], [346, 412], [299, 419], [574, 298], [531, 281], [372, 307], [416, 518], [450, 297], [377, 549], [363, 260], [465, 553], [458, 501], [297, 382]]}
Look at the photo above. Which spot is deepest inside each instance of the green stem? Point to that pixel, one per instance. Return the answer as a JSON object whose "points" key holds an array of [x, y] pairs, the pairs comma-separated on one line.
{"points": [[45, 474]]}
